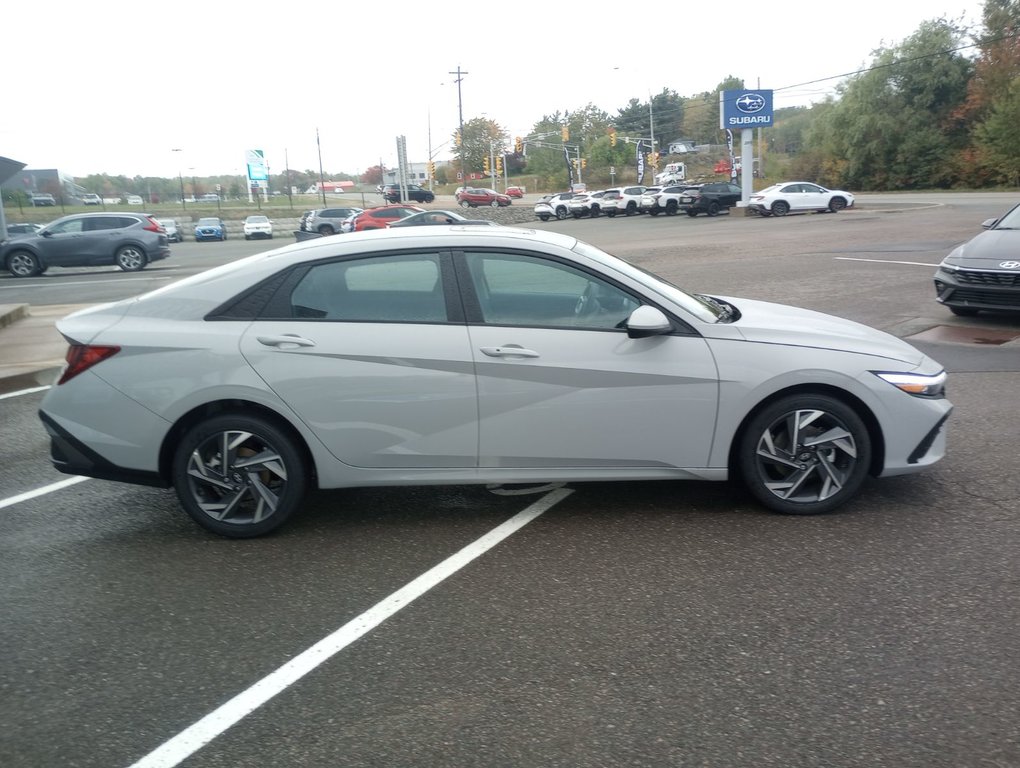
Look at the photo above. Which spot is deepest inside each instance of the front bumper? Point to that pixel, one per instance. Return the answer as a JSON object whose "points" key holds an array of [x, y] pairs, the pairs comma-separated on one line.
{"points": [[978, 288]]}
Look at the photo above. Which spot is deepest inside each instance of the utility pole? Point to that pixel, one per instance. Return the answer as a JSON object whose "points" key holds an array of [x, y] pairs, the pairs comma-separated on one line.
{"points": [[322, 179], [460, 124]]}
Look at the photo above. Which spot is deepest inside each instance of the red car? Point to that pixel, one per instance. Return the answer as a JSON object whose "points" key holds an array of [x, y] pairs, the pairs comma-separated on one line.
{"points": [[473, 197], [379, 218], [515, 192]]}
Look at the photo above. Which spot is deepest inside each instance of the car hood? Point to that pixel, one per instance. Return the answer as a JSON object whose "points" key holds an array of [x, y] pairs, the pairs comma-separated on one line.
{"points": [[767, 323], [988, 249]]}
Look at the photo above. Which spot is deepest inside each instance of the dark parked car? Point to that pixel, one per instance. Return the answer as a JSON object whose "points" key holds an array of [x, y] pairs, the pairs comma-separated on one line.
{"points": [[128, 240], [984, 272], [326, 221], [22, 228], [711, 198], [391, 192]]}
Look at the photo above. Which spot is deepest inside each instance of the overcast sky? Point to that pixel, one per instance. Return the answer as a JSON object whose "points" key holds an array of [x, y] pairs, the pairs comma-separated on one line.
{"points": [[115, 87]]}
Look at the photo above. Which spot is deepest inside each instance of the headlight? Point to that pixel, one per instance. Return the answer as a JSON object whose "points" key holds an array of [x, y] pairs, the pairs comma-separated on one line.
{"points": [[916, 384]]}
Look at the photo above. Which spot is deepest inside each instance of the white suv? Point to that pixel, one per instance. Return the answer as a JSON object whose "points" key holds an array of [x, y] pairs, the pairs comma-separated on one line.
{"points": [[625, 200]]}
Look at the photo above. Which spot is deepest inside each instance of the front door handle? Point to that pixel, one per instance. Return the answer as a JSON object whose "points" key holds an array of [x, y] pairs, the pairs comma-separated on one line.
{"points": [[509, 350], [285, 341]]}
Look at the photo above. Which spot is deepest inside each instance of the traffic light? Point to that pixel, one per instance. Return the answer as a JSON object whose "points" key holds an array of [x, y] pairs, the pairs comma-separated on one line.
{"points": [[565, 133], [432, 170], [653, 159], [584, 162], [499, 164], [485, 165], [519, 145], [458, 138], [612, 136], [574, 163]]}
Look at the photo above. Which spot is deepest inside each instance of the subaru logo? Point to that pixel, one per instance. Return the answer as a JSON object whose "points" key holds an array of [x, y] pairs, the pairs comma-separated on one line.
{"points": [[1010, 264], [750, 103]]}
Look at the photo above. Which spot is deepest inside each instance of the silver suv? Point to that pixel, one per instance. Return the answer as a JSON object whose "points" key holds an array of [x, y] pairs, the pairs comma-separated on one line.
{"points": [[326, 221], [127, 240]]}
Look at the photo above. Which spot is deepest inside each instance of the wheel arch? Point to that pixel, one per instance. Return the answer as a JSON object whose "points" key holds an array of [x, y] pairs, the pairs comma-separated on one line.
{"points": [[226, 406], [847, 398]]}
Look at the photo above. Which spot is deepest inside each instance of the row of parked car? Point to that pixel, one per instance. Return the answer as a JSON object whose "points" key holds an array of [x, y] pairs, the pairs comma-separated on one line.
{"points": [[711, 199]]}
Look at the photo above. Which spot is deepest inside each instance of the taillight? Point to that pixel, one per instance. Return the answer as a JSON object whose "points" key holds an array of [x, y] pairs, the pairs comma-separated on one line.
{"points": [[153, 225], [81, 357]]}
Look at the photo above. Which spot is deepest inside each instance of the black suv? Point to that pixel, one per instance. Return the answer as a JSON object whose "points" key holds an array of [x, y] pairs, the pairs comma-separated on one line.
{"points": [[391, 192], [710, 198]]}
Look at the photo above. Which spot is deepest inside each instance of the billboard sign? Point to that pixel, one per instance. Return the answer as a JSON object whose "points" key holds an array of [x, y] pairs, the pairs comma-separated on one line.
{"points": [[256, 161], [745, 109]]}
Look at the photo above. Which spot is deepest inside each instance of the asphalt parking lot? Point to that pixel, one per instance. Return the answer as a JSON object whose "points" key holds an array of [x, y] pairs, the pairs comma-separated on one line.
{"points": [[628, 624]]}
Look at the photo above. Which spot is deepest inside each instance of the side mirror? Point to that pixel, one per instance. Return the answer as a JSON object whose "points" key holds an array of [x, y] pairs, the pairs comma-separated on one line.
{"points": [[988, 223], [648, 321]]}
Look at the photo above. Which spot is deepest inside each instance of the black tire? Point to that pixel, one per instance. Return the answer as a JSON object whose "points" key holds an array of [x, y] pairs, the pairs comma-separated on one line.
{"points": [[430, 199], [611, 214], [780, 208], [465, 204], [326, 229], [652, 212], [131, 258], [247, 237], [23, 264], [631, 208], [837, 204], [713, 208], [544, 216], [801, 474], [236, 496], [671, 208], [963, 311], [494, 204], [595, 211], [561, 213], [691, 212]]}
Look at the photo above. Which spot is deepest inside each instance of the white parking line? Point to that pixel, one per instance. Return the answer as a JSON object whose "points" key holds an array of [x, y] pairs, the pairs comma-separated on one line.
{"points": [[888, 261], [24, 391], [193, 738], [10, 502]]}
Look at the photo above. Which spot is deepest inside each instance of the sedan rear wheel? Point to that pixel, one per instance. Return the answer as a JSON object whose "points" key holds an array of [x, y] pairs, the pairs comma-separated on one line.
{"points": [[805, 454], [239, 476], [713, 208], [23, 264], [131, 258], [561, 213], [780, 208]]}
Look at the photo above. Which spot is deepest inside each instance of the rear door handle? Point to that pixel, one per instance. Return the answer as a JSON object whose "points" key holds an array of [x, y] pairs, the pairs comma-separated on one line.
{"points": [[510, 350], [285, 341]]}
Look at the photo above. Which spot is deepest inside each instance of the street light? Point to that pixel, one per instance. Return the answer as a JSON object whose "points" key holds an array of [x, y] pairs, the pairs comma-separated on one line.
{"points": [[180, 177]]}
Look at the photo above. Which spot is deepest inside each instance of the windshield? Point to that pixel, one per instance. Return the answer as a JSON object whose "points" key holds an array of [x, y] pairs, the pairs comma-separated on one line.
{"points": [[208, 222], [707, 311], [257, 219], [1010, 221]]}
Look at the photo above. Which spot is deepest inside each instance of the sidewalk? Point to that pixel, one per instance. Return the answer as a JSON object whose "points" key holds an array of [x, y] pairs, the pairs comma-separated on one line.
{"points": [[31, 349]]}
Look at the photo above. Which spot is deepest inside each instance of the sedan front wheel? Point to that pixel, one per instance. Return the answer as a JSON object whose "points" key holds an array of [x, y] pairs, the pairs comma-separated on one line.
{"points": [[239, 476], [805, 454]]}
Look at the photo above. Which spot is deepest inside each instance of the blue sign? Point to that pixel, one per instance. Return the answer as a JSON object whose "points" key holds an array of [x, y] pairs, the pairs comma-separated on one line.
{"points": [[745, 109]]}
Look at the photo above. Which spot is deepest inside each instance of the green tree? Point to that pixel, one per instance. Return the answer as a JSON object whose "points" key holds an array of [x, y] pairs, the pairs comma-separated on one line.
{"points": [[892, 126], [479, 138], [701, 113]]}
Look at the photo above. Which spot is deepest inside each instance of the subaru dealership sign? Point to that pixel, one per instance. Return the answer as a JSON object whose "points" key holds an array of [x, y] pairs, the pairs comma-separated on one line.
{"points": [[745, 109]]}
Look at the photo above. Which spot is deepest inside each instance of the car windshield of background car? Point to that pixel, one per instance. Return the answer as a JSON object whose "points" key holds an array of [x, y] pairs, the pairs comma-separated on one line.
{"points": [[1010, 221], [697, 307]]}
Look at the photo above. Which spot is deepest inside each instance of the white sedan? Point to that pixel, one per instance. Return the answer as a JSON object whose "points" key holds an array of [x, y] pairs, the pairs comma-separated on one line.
{"points": [[258, 226], [454, 355], [798, 197]]}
